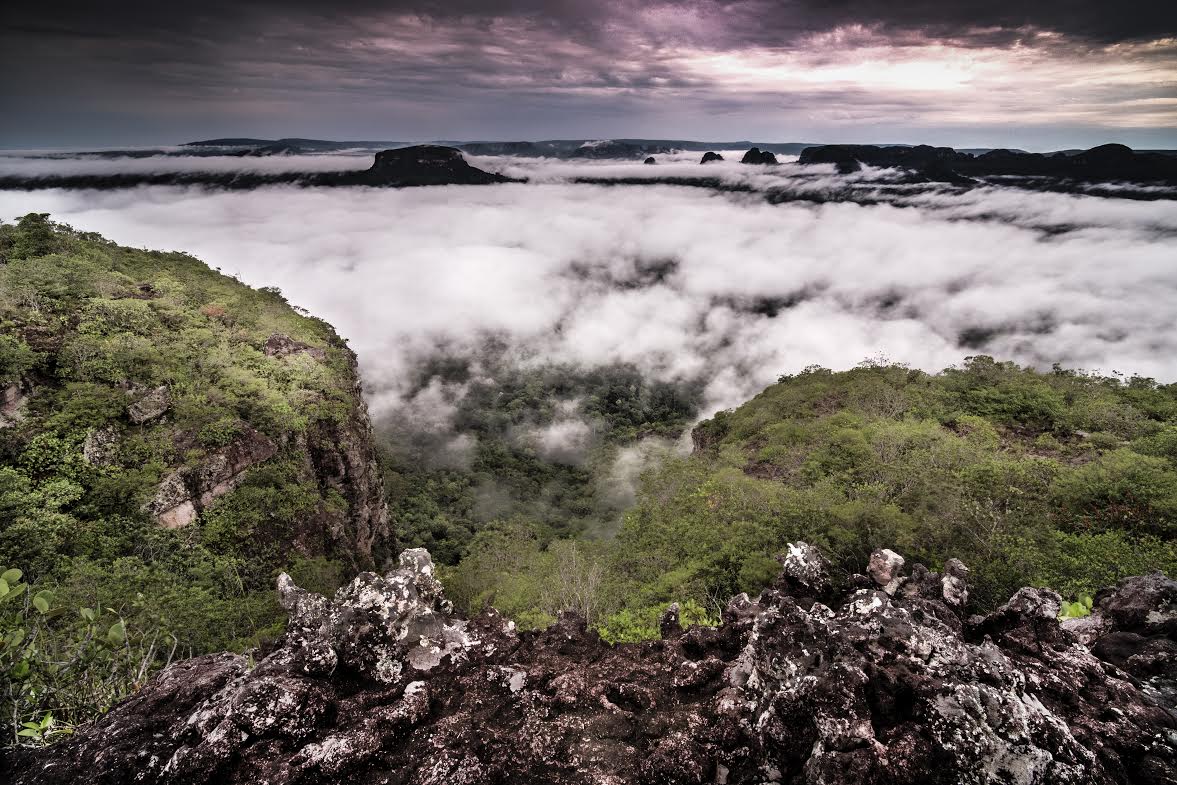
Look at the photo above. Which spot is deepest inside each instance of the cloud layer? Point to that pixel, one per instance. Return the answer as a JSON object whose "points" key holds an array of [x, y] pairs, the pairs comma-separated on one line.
{"points": [[686, 283]]}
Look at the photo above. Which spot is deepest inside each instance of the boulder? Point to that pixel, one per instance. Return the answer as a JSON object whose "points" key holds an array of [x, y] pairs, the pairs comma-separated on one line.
{"points": [[650, 161], [150, 406], [12, 401], [279, 345], [100, 447], [884, 568]]}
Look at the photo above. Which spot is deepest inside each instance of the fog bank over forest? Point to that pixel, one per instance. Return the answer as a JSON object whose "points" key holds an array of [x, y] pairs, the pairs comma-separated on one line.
{"points": [[593, 274]]}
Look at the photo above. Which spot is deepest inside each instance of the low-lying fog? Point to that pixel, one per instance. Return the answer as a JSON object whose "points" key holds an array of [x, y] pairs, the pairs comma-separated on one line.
{"points": [[686, 283]]}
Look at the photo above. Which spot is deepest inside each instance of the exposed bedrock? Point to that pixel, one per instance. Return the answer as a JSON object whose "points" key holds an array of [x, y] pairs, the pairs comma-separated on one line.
{"points": [[877, 679]]}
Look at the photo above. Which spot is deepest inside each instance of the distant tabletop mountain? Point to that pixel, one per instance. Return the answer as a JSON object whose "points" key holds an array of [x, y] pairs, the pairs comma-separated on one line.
{"points": [[398, 168], [1105, 163]]}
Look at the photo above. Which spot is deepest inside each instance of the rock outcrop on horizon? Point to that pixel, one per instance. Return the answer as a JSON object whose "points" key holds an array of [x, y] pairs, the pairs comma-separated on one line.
{"points": [[401, 167], [709, 156], [868, 680], [758, 156], [425, 164], [1105, 163]]}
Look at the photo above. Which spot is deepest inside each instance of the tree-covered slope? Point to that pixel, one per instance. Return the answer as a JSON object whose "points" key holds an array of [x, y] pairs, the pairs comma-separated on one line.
{"points": [[1058, 479], [170, 439]]}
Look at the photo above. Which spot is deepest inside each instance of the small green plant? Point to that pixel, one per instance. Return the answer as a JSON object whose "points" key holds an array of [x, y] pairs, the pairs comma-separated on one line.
{"points": [[44, 730], [1077, 609]]}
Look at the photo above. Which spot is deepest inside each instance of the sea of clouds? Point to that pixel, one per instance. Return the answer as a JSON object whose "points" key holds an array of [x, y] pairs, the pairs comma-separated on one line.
{"points": [[686, 283]]}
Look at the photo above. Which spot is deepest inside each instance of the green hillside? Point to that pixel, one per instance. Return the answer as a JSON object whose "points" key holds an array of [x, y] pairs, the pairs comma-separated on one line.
{"points": [[168, 438], [1058, 479]]}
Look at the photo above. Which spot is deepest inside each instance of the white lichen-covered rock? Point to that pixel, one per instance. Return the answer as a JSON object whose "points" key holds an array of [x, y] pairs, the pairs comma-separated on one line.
{"points": [[12, 405], [150, 405], [100, 448], [815, 682], [884, 568]]}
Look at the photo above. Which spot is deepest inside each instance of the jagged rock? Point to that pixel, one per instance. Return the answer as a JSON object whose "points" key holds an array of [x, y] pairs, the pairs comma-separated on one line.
{"points": [[12, 401], [709, 156], [100, 447], [884, 568], [669, 625], [384, 684], [182, 494], [1133, 625], [283, 346], [150, 406], [650, 161], [758, 156], [804, 572]]}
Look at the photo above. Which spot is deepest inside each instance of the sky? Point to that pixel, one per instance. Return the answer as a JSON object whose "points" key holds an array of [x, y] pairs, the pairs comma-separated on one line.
{"points": [[1040, 75]]}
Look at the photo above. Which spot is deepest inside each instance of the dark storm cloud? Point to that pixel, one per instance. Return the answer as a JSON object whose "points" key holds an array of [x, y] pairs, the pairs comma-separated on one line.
{"points": [[525, 68], [757, 20]]}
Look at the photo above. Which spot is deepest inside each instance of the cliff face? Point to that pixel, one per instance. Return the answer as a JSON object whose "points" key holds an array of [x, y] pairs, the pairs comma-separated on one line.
{"points": [[341, 456], [878, 679], [142, 388]]}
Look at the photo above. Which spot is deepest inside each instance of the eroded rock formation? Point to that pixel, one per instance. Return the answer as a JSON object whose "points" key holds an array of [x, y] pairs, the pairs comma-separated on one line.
{"points": [[183, 493], [813, 682], [758, 156]]}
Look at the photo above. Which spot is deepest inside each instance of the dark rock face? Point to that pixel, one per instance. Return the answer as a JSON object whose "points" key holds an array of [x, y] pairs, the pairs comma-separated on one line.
{"points": [[813, 682], [757, 156], [709, 156], [1106, 163], [342, 457], [427, 165], [650, 161]]}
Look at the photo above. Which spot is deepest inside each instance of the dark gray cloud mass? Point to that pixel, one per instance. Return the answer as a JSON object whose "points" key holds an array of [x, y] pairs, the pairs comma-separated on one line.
{"points": [[1068, 71]]}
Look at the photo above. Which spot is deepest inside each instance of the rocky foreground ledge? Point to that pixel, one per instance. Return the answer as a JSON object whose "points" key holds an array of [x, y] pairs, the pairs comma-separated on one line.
{"points": [[878, 680]]}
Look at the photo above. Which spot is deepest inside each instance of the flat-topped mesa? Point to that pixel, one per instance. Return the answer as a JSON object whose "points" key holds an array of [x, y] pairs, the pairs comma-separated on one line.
{"points": [[427, 164], [874, 678], [1106, 163]]}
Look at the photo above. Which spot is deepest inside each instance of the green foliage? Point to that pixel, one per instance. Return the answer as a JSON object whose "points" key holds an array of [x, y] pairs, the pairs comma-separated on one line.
{"points": [[1077, 609], [34, 236], [990, 463], [16, 359], [89, 327]]}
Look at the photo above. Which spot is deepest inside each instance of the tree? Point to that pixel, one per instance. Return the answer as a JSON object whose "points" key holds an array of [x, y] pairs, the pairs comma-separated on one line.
{"points": [[34, 237]]}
